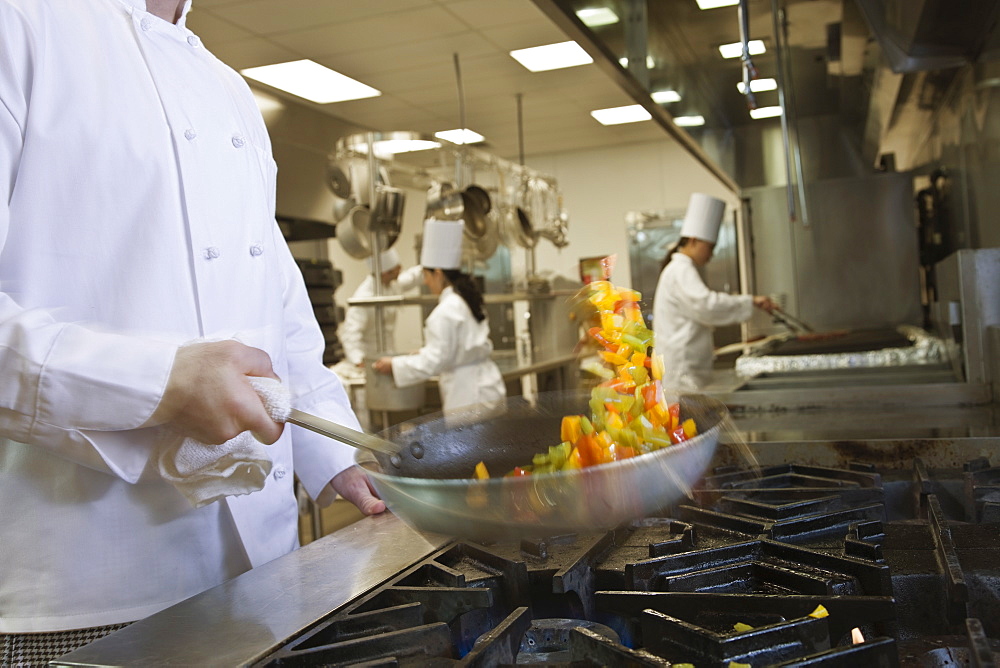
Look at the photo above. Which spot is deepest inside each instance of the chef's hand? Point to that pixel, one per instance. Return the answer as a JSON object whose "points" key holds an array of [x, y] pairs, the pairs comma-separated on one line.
{"points": [[764, 303], [383, 365], [353, 485], [209, 397]]}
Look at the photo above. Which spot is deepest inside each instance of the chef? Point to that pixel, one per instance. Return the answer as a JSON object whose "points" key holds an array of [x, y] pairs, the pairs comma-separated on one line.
{"points": [[136, 300], [685, 310], [457, 344], [357, 333]]}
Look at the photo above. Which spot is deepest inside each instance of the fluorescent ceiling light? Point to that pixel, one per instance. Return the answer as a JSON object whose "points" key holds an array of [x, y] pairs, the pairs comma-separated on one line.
{"points": [[689, 121], [394, 146], [552, 56], [765, 112], [758, 85], [650, 63], [735, 50], [633, 113], [595, 17], [465, 136], [312, 81], [712, 4], [666, 96]]}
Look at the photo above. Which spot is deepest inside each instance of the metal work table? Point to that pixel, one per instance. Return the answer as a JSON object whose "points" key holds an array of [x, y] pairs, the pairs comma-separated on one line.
{"points": [[244, 619]]}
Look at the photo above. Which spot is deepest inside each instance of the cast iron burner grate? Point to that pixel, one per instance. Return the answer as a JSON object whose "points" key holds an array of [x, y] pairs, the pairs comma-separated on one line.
{"points": [[735, 575]]}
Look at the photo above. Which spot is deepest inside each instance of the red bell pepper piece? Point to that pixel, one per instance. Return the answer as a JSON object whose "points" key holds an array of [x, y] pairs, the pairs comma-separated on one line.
{"points": [[590, 451]]}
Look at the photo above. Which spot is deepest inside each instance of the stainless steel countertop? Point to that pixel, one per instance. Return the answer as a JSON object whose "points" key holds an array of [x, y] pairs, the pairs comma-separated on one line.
{"points": [[250, 616]]}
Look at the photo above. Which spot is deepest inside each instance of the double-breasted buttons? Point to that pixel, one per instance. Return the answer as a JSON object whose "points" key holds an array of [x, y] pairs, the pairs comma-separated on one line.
{"points": [[256, 250], [211, 253], [239, 141], [190, 134]]}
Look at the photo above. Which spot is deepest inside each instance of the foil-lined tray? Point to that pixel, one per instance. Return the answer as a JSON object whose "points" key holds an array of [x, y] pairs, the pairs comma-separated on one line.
{"points": [[925, 349]]}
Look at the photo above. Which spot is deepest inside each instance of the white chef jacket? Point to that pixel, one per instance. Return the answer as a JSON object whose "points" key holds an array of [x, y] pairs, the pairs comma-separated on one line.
{"points": [[685, 311], [457, 349], [357, 333], [136, 213]]}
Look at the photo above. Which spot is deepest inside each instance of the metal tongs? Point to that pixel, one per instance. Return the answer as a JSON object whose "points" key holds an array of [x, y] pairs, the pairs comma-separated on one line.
{"points": [[791, 322]]}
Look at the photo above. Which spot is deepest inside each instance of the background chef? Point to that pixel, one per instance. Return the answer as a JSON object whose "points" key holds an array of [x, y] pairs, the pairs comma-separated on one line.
{"points": [[685, 310], [357, 333], [457, 346]]}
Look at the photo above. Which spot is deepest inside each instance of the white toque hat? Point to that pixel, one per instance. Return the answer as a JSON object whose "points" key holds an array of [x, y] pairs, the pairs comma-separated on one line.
{"points": [[442, 244], [388, 259], [703, 217]]}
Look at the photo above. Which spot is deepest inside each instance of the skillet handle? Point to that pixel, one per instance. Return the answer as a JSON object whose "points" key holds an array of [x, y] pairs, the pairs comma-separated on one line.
{"points": [[339, 432]]}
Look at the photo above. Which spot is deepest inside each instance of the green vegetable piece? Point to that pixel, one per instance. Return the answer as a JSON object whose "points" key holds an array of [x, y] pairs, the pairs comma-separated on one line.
{"points": [[585, 426]]}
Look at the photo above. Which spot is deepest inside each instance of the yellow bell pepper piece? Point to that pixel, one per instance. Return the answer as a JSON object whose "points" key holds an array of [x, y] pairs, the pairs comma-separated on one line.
{"points": [[615, 421], [481, 472], [573, 461], [819, 612], [638, 359], [741, 627], [657, 367], [690, 428]]}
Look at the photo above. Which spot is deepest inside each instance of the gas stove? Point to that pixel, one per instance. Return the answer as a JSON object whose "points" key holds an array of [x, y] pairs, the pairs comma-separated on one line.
{"points": [[881, 554]]}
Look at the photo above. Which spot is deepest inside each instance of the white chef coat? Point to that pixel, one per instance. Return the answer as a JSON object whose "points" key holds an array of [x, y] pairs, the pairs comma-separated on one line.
{"points": [[685, 311], [457, 349], [136, 213], [357, 333]]}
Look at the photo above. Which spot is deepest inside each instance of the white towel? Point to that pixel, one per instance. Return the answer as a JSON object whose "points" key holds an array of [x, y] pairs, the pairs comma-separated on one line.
{"points": [[207, 473]]}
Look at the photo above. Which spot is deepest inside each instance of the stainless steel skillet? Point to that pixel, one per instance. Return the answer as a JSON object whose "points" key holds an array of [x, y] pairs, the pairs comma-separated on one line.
{"points": [[430, 484]]}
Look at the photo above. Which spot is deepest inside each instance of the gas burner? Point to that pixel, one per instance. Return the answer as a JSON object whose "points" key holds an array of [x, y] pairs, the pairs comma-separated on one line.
{"points": [[904, 564]]}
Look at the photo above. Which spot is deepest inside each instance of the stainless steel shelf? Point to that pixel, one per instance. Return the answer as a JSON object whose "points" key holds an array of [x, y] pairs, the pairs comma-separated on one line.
{"points": [[402, 300]]}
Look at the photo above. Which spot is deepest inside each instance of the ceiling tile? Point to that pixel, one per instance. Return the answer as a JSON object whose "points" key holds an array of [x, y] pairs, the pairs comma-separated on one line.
{"points": [[480, 14], [266, 17], [388, 29], [213, 29], [251, 53]]}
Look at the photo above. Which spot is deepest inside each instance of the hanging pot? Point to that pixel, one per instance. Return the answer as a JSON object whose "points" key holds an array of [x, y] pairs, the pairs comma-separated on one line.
{"points": [[487, 245], [338, 177], [448, 205], [359, 178], [387, 214], [342, 207], [475, 206], [353, 232], [468, 206]]}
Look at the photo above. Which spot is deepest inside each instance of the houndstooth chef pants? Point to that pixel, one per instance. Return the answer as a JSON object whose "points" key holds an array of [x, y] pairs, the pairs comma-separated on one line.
{"points": [[37, 649]]}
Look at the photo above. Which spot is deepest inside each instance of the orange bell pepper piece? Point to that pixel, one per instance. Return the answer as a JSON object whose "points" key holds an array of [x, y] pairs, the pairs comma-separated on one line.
{"points": [[570, 429]]}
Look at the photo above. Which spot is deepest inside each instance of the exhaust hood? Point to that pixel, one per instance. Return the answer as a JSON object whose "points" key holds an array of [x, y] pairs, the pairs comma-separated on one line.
{"points": [[921, 35]]}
